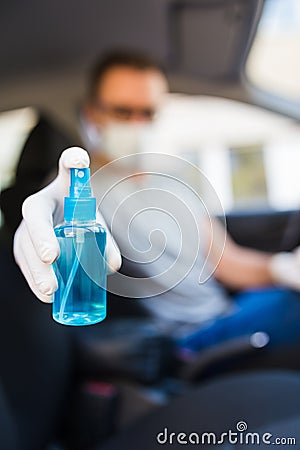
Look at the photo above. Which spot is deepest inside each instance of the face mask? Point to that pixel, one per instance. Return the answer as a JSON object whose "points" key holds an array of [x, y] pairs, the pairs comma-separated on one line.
{"points": [[122, 139], [116, 139]]}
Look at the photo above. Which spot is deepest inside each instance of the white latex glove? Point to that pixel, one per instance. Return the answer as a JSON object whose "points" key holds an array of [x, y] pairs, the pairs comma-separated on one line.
{"points": [[35, 243], [285, 269]]}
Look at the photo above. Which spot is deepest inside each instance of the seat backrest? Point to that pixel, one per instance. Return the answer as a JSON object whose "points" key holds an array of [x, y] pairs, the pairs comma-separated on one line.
{"points": [[271, 231], [37, 162], [256, 400], [35, 355], [8, 437]]}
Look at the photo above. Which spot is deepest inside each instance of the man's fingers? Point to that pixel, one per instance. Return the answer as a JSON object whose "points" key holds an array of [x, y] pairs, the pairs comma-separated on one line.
{"points": [[38, 219], [73, 157], [114, 258], [285, 270], [27, 274], [39, 276]]}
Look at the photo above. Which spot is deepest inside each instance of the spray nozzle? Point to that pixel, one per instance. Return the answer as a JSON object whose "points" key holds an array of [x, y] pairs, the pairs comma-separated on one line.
{"points": [[80, 183], [80, 205]]}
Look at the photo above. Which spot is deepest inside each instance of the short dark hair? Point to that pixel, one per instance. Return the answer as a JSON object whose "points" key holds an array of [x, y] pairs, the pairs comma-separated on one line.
{"points": [[126, 58]]}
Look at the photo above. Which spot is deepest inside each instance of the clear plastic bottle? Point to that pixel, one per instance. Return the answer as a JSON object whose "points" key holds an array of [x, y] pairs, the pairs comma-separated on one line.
{"points": [[81, 268]]}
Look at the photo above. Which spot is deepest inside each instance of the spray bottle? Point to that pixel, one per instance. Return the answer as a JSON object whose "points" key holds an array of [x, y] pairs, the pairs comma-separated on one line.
{"points": [[81, 268]]}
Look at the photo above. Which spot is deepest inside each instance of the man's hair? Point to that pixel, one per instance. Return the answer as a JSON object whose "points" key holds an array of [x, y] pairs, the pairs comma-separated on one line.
{"points": [[119, 58]]}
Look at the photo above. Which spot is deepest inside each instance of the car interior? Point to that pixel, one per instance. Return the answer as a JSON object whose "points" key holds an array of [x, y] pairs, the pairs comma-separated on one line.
{"points": [[118, 384]]}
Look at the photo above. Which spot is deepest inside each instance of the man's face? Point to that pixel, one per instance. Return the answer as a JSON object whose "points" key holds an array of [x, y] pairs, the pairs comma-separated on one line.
{"points": [[128, 95]]}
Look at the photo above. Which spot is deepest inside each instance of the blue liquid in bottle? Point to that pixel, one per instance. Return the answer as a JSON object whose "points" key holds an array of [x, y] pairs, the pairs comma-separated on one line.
{"points": [[81, 268]]}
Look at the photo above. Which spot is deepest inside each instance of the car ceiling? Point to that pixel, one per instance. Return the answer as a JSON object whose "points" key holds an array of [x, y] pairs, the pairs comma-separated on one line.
{"points": [[201, 38], [48, 46]]}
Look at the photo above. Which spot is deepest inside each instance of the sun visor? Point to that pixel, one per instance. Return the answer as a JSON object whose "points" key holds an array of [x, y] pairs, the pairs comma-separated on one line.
{"points": [[211, 38]]}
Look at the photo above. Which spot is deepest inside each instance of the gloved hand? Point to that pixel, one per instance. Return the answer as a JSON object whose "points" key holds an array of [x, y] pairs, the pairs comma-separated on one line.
{"points": [[285, 269], [35, 243]]}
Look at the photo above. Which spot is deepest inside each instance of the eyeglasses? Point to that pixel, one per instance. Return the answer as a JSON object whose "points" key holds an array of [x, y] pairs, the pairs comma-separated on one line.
{"points": [[121, 112]]}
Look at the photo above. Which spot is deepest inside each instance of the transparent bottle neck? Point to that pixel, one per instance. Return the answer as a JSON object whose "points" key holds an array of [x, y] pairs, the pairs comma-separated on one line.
{"points": [[81, 223]]}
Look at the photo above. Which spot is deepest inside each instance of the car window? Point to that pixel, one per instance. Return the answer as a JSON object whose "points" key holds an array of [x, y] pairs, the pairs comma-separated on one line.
{"points": [[250, 155], [274, 61], [14, 128]]}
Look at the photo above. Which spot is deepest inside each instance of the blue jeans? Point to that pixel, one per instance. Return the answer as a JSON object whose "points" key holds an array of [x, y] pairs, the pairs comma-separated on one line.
{"points": [[274, 311]]}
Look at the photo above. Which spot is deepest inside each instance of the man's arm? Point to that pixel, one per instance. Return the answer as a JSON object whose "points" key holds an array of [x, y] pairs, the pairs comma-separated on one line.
{"points": [[239, 267]]}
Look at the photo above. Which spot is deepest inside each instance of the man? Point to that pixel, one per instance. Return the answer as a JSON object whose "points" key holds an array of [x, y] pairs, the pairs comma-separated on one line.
{"points": [[126, 90], [125, 93]]}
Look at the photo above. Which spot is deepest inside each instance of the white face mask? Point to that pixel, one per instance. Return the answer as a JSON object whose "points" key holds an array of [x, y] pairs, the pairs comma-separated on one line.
{"points": [[116, 139], [122, 139]]}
